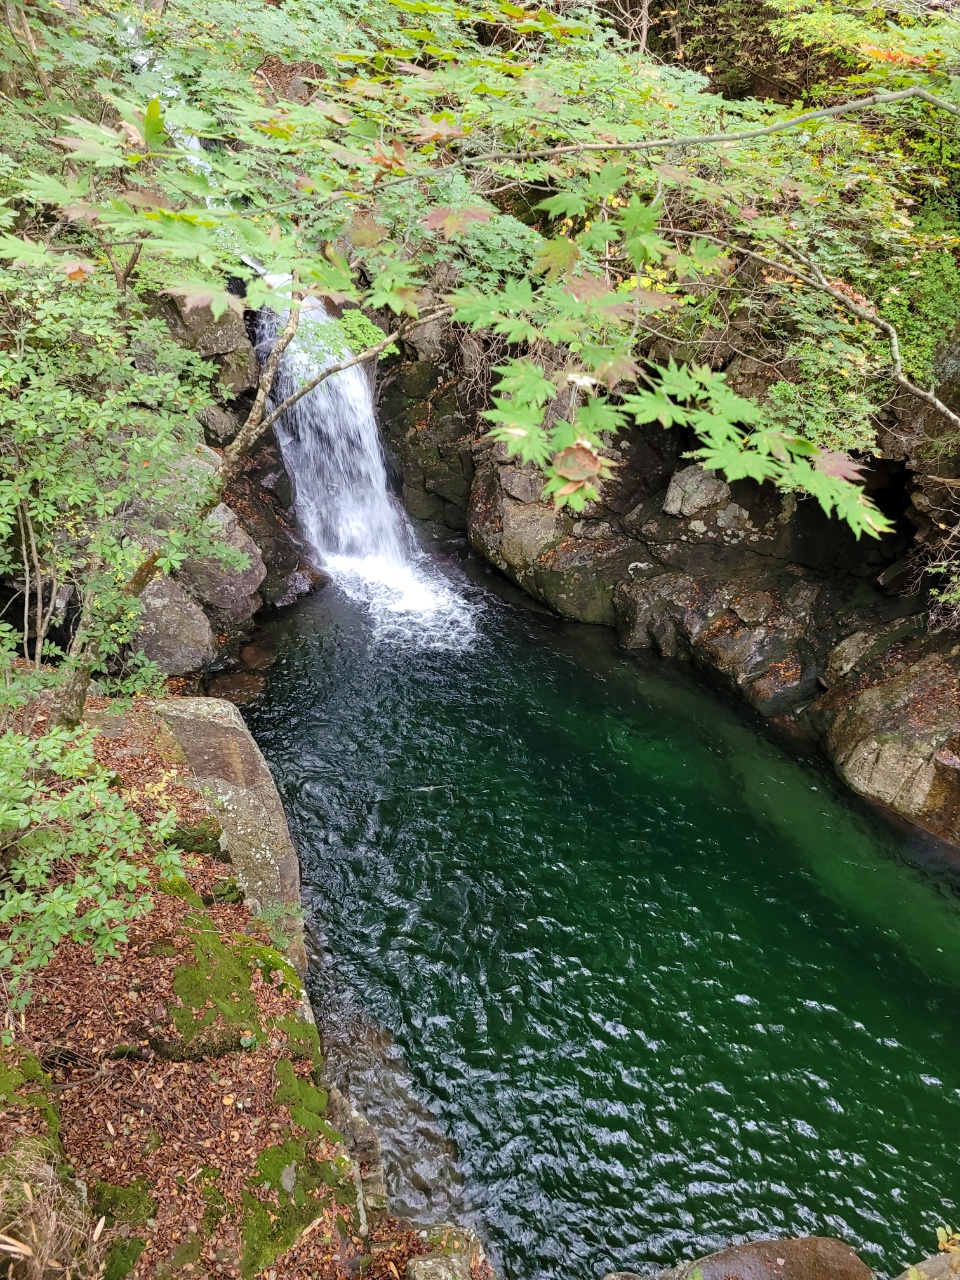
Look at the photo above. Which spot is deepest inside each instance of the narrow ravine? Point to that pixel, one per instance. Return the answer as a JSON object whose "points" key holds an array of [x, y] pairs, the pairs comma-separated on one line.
{"points": [[664, 986], [661, 985]]}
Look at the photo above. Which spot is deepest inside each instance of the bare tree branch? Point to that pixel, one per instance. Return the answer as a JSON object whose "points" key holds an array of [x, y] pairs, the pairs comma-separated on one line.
{"points": [[251, 429], [815, 278], [248, 438], [704, 139]]}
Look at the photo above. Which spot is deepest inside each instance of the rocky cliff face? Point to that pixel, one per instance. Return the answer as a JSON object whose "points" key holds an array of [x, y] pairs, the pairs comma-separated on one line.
{"points": [[757, 588], [194, 620]]}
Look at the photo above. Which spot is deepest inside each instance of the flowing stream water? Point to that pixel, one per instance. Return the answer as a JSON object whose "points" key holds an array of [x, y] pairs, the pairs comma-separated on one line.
{"points": [[619, 978]]}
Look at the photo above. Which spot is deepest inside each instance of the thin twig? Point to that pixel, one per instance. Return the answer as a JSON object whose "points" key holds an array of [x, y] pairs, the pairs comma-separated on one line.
{"points": [[247, 439], [818, 281], [695, 140]]}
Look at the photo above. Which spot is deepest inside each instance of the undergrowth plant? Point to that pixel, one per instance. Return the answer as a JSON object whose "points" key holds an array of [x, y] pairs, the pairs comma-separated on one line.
{"points": [[75, 858]]}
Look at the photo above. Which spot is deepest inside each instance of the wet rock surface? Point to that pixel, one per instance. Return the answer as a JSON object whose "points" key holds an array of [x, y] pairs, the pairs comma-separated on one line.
{"points": [[809, 1258], [262, 497], [427, 428]]}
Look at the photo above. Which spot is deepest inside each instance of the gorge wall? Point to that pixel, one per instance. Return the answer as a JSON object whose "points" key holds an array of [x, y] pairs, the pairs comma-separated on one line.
{"points": [[758, 589]]}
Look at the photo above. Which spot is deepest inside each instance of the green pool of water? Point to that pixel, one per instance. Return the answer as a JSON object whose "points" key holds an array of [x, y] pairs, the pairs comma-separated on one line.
{"points": [[664, 986]]}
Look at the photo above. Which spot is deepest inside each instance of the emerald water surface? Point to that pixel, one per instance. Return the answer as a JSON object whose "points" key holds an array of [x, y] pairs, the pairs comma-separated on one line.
{"points": [[664, 986]]}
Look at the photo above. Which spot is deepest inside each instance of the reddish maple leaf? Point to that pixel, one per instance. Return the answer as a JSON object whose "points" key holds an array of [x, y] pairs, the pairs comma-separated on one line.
{"points": [[839, 465], [578, 463], [453, 222], [77, 269], [365, 231]]}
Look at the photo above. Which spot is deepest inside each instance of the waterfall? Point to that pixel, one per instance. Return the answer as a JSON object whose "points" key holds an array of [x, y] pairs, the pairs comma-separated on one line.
{"points": [[359, 530]]}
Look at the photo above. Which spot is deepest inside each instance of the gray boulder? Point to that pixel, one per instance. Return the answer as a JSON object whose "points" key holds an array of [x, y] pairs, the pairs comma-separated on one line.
{"points": [[209, 336], [894, 729], [694, 489], [220, 426], [436, 1266], [233, 776], [942, 1266], [231, 592], [174, 632]]}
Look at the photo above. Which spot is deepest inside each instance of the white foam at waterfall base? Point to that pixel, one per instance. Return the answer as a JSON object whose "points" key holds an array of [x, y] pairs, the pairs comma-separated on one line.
{"points": [[361, 534]]}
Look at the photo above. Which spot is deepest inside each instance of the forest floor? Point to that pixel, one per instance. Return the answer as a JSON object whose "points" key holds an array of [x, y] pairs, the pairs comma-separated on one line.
{"points": [[181, 1081]]}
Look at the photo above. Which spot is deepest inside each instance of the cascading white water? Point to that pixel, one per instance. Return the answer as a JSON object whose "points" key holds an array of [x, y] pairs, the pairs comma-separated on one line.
{"points": [[360, 532]]}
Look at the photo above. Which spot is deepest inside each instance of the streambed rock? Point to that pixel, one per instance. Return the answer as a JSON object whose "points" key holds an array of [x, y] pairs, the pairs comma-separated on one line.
{"points": [[806, 1258]]}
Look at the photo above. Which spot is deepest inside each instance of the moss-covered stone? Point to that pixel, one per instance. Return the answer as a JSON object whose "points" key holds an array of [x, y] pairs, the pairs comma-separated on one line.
{"points": [[202, 836], [186, 1254], [307, 1103], [226, 889], [23, 1082]]}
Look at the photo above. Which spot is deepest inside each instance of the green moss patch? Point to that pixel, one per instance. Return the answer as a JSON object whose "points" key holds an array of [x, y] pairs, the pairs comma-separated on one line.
{"points": [[23, 1083], [202, 836], [123, 1257], [131, 1206]]}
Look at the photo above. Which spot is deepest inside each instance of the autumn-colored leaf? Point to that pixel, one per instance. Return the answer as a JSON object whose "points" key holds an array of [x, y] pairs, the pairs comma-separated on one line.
{"points": [[330, 110], [437, 131], [80, 212], [617, 369], [578, 462], [452, 222], [365, 231], [587, 289], [392, 158], [558, 255], [749, 214], [839, 465], [147, 200], [77, 269], [651, 300], [892, 55], [193, 297]]}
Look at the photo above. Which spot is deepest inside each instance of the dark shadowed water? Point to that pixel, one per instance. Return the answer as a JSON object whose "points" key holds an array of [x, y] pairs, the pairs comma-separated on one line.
{"points": [[664, 986]]}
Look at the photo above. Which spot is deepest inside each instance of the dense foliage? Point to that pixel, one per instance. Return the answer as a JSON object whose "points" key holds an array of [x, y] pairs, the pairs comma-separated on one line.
{"points": [[531, 175], [591, 189]]}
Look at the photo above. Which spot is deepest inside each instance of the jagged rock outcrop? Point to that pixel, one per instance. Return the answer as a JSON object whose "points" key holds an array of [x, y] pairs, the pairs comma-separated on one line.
{"points": [[891, 723], [427, 426], [230, 591], [756, 588]]}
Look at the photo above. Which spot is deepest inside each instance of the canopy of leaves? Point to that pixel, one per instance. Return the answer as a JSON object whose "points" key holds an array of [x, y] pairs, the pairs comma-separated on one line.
{"points": [[542, 175]]}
